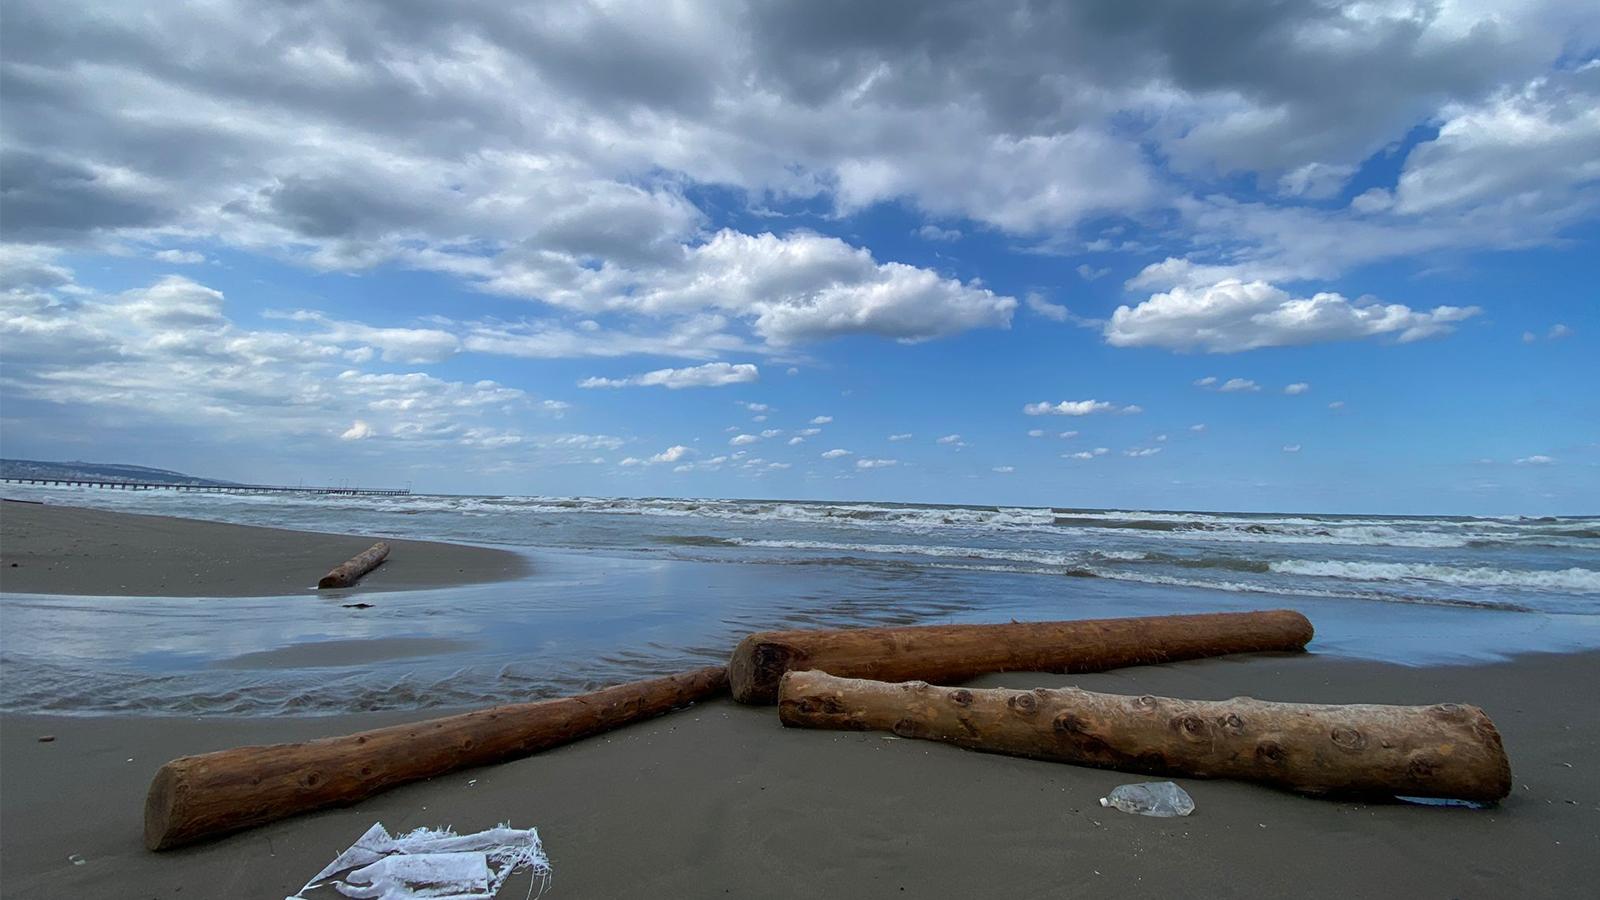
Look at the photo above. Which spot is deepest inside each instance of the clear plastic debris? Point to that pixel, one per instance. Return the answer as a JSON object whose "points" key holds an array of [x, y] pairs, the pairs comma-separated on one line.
{"points": [[1151, 798], [1443, 801], [433, 864]]}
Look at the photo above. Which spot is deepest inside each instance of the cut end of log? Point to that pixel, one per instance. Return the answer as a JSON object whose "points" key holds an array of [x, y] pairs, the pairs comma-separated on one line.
{"points": [[158, 805]]}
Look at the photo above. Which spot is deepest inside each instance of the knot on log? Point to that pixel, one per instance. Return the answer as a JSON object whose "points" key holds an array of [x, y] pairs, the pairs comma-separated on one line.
{"points": [[906, 728], [1349, 738], [1147, 702], [1023, 704], [1232, 723], [1191, 726], [1270, 753], [961, 697], [1421, 768]]}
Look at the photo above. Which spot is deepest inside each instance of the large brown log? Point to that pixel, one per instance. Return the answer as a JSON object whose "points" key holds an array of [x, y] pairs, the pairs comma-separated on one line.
{"points": [[205, 796], [351, 570], [1445, 750], [953, 653]]}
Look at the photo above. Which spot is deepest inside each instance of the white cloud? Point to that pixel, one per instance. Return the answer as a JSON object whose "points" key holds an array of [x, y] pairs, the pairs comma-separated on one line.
{"points": [[1207, 381], [835, 453], [1337, 404], [935, 233], [740, 440], [1291, 448], [900, 437], [1036, 432], [876, 463], [1141, 451], [1004, 470], [1558, 331], [671, 454], [1536, 460], [180, 257], [810, 432], [1090, 273], [1232, 316], [1529, 337], [822, 420], [1237, 385], [1161, 439], [1052, 311], [718, 374], [772, 432], [949, 439], [1069, 408], [359, 431], [754, 407], [1198, 427], [1087, 454], [1067, 435], [796, 440], [1299, 387]]}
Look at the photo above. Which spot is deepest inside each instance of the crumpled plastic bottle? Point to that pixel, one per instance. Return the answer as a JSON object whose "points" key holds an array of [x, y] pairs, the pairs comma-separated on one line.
{"points": [[1152, 798]]}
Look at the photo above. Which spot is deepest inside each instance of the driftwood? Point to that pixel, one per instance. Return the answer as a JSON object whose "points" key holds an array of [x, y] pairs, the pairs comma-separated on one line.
{"points": [[198, 797], [1446, 750], [951, 653], [351, 570]]}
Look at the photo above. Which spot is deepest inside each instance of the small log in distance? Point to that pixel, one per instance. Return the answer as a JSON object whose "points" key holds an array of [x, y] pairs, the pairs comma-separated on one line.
{"points": [[351, 570], [953, 653], [1446, 750], [198, 797]]}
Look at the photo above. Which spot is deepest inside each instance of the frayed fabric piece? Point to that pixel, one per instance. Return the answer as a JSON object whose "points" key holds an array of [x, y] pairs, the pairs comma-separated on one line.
{"points": [[429, 864]]}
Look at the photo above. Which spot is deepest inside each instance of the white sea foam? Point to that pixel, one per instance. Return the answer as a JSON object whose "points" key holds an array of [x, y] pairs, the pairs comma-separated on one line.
{"points": [[1573, 579]]}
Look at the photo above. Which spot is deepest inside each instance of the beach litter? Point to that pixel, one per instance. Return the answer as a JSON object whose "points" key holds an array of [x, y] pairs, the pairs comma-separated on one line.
{"points": [[437, 864], [1161, 799]]}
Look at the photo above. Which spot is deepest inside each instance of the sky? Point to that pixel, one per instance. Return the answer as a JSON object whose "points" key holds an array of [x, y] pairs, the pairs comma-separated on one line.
{"points": [[1289, 256]]}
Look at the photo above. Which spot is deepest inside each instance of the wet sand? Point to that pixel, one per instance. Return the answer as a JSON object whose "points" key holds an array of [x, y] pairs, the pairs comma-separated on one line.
{"points": [[721, 800], [46, 549]]}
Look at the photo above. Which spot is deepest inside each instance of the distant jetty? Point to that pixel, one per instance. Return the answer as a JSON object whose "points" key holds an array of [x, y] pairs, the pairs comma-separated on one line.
{"points": [[208, 488], [122, 477]]}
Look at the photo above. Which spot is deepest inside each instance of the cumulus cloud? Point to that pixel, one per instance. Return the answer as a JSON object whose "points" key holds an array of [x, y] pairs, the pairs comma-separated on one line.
{"points": [[1536, 460], [1067, 435], [717, 374], [1299, 387], [1232, 316], [901, 437], [1141, 451], [179, 257], [949, 439], [741, 440], [1004, 470], [1291, 448], [932, 232], [1036, 432], [822, 420], [358, 431], [876, 463], [1198, 427], [1075, 408], [1087, 454], [835, 453], [1337, 404]]}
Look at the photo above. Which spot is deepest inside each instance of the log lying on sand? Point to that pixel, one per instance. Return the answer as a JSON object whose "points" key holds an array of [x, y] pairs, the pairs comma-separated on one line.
{"points": [[1446, 750], [204, 796], [952, 653], [351, 570]]}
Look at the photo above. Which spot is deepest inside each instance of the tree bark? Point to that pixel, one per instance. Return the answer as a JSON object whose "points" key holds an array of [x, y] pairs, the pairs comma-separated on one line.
{"points": [[1445, 750], [204, 796], [350, 571], [951, 653]]}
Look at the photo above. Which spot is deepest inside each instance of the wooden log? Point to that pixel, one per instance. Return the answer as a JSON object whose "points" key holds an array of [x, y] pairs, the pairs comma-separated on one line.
{"points": [[198, 797], [351, 570], [1445, 750], [953, 653]]}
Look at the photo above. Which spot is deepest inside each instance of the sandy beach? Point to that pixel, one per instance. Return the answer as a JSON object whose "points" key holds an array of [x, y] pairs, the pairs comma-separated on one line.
{"points": [[48, 549], [721, 800]]}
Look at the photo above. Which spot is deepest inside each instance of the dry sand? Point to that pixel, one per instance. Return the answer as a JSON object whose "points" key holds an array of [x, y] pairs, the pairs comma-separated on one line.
{"points": [[68, 550], [721, 800]]}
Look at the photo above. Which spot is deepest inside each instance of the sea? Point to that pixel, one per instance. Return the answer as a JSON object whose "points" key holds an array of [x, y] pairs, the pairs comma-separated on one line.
{"points": [[631, 588]]}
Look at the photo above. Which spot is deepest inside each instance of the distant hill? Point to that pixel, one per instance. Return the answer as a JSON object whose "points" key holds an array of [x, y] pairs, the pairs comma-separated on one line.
{"points": [[88, 471]]}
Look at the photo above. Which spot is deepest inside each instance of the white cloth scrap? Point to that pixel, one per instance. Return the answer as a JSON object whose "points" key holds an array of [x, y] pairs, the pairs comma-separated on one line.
{"points": [[433, 864]]}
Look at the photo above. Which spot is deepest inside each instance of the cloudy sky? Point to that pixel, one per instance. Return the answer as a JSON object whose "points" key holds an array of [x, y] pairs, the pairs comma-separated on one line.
{"points": [[1243, 255]]}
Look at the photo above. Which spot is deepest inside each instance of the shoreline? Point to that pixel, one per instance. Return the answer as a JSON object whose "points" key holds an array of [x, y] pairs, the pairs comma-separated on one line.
{"points": [[721, 798], [81, 551]]}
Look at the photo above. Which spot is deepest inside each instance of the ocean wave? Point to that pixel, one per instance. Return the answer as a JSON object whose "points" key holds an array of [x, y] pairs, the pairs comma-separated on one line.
{"points": [[1574, 579]]}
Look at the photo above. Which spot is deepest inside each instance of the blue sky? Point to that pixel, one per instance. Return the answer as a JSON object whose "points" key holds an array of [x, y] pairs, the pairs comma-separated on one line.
{"points": [[1300, 257]]}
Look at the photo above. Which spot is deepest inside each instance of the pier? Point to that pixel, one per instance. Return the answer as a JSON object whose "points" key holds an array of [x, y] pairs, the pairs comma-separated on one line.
{"points": [[205, 488]]}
